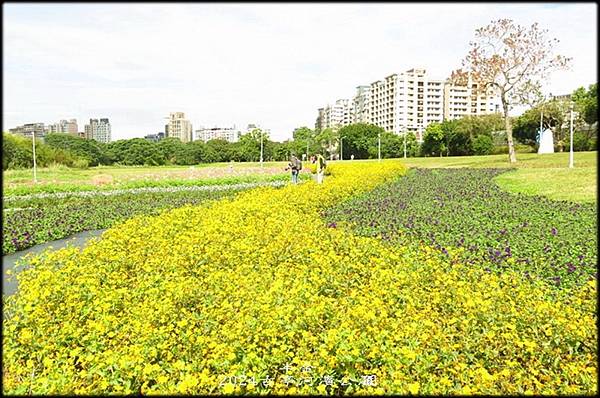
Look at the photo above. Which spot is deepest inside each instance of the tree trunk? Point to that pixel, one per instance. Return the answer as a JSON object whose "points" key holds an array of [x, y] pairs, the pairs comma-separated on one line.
{"points": [[509, 137]]}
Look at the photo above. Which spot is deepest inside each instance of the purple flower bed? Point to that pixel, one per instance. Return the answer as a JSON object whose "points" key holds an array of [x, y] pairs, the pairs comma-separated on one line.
{"points": [[464, 208], [42, 220]]}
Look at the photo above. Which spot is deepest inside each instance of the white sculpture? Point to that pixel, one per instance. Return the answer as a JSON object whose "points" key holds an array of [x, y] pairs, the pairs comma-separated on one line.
{"points": [[546, 142]]}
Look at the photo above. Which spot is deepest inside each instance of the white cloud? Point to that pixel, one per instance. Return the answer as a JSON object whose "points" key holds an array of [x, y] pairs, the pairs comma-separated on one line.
{"points": [[273, 64]]}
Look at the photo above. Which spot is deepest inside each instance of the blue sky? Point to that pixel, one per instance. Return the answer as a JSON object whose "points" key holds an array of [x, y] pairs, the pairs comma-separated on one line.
{"points": [[225, 64]]}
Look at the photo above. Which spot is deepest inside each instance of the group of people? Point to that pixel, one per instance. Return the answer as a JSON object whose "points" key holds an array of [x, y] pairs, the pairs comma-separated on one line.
{"points": [[295, 165]]}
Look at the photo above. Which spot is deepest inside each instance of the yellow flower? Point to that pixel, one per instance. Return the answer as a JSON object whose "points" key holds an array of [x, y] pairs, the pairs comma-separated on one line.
{"points": [[228, 388], [413, 388]]}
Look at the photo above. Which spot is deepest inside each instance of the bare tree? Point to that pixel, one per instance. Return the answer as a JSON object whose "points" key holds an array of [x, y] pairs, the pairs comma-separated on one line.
{"points": [[511, 61]]}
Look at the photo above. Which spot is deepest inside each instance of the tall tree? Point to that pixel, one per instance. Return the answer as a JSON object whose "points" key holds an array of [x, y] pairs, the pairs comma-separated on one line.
{"points": [[511, 60], [586, 103], [434, 140], [304, 141], [358, 138]]}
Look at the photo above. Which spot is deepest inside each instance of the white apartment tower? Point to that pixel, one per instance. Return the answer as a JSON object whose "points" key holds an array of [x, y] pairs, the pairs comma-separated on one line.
{"points": [[407, 101], [461, 101], [64, 126], [360, 103], [178, 126], [98, 129], [223, 133], [335, 116]]}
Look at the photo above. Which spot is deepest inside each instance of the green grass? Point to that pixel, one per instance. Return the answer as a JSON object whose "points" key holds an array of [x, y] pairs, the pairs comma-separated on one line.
{"points": [[545, 175], [576, 185], [524, 160]]}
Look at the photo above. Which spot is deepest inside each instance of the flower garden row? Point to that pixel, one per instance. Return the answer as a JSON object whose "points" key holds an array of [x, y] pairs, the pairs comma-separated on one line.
{"points": [[259, 288], [43, 219], [61, 189], [465, 209]]}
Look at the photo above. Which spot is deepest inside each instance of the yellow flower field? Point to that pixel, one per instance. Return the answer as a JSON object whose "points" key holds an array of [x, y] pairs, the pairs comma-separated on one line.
{"points": [[260, 288]]}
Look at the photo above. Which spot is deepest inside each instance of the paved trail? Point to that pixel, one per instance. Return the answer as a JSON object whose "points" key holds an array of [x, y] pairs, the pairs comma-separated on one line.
{"points": [[8, 261]]}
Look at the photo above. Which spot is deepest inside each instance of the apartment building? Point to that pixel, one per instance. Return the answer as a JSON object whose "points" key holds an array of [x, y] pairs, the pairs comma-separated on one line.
{"points": [[99, 130], [337, 115], [360, 103], [320, 122], [29, 129], [461, 101], [409, 102], [221, 133], [155, 137], [63, 126], [178, 126]]}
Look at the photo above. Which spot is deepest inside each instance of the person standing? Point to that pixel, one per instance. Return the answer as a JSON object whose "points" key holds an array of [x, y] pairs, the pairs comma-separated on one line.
{"points": [[321, 165], [295, 165]]}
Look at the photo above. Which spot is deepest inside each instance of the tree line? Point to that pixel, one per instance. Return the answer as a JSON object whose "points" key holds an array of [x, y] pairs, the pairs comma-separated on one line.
{"points": [[472, 135]]}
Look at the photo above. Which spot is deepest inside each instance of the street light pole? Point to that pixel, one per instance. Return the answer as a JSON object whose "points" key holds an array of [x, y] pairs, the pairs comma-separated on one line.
{"points": [[261, 148], [571, 140], [307, 149], [379, 146], [34, 164], [341, 148], [404, 144], [541, 119]]}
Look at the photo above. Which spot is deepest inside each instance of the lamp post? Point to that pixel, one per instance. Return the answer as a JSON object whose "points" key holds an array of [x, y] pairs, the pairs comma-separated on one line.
{"points": [[261, 148], [34, 164], [379, 147], [341, 148], [571, 140], [404, 143], [307, 149], [542, 118]]}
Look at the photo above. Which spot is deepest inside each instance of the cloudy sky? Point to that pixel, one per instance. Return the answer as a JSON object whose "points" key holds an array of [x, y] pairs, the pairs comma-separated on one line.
{"points": [[225, 64]]}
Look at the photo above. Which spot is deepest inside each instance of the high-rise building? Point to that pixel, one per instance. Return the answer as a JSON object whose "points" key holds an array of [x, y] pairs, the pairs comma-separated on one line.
{"points": [[461, 101], [63, 126], [212, 133], [335, 116], [29, 129], [361, 104], [155, 137], [98, 130], [178, 126], [409, 102], [320, 120]]}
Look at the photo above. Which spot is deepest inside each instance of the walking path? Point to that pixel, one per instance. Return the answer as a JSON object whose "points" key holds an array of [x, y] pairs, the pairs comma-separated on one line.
{"points": [[9, 261]]}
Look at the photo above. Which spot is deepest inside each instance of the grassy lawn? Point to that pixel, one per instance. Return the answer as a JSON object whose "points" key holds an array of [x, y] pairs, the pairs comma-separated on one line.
{"points": [[577, 184], [61, 178], [547, 175], [524, 160]]}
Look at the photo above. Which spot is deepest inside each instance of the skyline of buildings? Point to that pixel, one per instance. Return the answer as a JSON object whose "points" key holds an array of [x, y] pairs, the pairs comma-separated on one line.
{"points": [[99, 130], [64, 126], [407, 102], [178, 126], [206, 134]]}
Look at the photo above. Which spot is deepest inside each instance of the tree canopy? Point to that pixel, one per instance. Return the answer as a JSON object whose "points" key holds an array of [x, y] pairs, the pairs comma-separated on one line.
{"points": [[512, 61]]}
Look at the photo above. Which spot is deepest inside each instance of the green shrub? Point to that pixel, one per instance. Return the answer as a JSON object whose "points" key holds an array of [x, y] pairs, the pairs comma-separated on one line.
{"points": [[581, 142], [81, 163], [483, 145]]}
